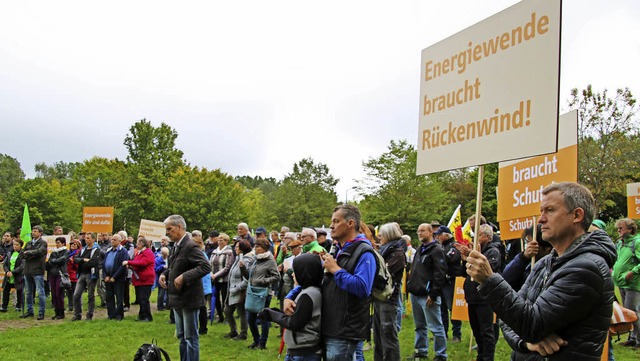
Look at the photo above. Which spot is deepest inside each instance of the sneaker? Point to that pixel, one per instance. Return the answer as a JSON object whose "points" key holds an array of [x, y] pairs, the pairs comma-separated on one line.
{"points": [[240, 337], [231, 334], [3, 310], [74, 318], [439, 358], [27, 315], [40, 317], [125, 309], [18, 309]]}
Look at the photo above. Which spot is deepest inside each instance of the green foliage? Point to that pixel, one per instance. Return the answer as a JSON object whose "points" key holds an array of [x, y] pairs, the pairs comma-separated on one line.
{"points": [[394, 193], [305, 197], [608, 146], [50, 204], [10, 174], [61, 171], [206, 199]]}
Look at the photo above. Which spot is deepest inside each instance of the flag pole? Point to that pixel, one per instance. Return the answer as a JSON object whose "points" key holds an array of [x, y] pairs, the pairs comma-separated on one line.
{"points": [[476, 246]]}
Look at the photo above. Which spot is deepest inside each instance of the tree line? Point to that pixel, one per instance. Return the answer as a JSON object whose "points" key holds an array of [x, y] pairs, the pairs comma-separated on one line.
{"points": [[155, 180]]}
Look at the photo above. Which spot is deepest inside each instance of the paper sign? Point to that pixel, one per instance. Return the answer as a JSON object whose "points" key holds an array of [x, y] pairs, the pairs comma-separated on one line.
{"points": [[490, 92], [460, 308], [152, 230]]}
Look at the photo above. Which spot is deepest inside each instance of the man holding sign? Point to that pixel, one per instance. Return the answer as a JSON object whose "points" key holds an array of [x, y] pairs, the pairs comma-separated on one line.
{"points": [[564, 308]]}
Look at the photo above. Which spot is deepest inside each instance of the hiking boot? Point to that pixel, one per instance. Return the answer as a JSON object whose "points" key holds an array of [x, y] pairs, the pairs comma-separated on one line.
{"points": [[231, 334], [418, 355]]}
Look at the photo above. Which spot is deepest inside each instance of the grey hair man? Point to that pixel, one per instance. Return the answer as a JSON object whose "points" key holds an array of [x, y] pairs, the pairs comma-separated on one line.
{"points": [[563, 310], [310, 243], [243, 232], [183, 281]]}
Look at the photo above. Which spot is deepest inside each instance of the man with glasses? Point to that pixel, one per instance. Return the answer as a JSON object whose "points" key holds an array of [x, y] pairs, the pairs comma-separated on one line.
{"points": [[309, 241], [563, 310], [626, 273]]}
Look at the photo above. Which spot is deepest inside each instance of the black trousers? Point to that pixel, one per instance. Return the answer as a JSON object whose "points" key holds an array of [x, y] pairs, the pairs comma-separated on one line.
{"points": [[481, 320], [114, 292], [142, 294]]}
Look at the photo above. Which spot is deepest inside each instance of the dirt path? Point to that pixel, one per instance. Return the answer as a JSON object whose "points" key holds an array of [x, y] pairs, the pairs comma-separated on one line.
{"points": [[19, 323]]}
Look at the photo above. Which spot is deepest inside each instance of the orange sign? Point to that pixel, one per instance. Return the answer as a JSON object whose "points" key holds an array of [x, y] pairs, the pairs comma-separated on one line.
{"points": [[460, 308], [633, 200], [520, 183], [97, 219], [513, 228]]}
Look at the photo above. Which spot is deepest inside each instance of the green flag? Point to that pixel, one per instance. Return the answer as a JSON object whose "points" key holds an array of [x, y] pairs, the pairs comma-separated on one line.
{"points": [[25, 231]]}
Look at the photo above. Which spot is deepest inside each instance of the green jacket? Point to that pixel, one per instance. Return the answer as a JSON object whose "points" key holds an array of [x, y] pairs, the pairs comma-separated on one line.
{"points": [[313, 247], [627, 262]]}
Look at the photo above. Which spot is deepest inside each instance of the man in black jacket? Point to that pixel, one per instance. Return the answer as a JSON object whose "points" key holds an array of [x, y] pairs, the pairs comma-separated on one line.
{"points": [[480, 312], [428, 276], [183, 279], [88, 273], [454, 269], [34, 254], [563, 310]]}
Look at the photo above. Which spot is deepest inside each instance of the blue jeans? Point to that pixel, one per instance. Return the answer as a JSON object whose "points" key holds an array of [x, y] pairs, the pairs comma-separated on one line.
{"points": [[339, 350], [37, 282], [428, 317], [187, 332], [314, 357]]}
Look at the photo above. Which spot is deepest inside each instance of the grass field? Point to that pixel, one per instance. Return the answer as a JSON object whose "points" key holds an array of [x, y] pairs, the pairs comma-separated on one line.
{"points": [[105, 340]]}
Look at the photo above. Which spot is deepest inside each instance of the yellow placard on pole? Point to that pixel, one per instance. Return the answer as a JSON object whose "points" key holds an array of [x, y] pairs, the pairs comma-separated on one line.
{"points": [[97, 219], [633, 200], [460, 308]]}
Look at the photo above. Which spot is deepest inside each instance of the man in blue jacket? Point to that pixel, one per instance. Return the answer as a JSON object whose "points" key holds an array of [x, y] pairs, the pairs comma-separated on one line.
{"points": [[115, 277], [346, 288]]}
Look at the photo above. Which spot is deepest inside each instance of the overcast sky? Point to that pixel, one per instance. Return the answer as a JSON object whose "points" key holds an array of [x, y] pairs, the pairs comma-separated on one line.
{"points": [[254, 86]]}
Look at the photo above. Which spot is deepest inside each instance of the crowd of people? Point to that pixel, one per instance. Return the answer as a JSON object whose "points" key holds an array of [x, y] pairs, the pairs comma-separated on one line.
{"points": [[558, 307]]}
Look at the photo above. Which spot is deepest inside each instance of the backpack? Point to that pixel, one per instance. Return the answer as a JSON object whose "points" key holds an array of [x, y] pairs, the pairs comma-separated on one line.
{"points": [[382, 283], [151, 352]]}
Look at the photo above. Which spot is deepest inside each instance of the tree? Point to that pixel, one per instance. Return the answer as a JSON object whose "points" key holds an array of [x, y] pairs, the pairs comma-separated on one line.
{"points": [[152, 158], [306, 196], [61, 171], [394, 193], [607, 146], [10, 173], [50, 204], [206, 199]]}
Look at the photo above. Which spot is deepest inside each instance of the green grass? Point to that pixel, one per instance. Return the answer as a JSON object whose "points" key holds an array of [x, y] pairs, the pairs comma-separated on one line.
{"points": [[104, 340]]}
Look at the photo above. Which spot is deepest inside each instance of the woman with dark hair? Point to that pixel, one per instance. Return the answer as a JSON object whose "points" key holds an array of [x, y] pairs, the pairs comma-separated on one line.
{"points": [[237, 291], [56, 267], [144, 275], [13, 267], [262, 273], [72, 270]]}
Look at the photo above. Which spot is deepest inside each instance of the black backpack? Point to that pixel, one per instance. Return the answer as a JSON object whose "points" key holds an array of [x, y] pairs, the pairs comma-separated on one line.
{"points": [[151, 352]]}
